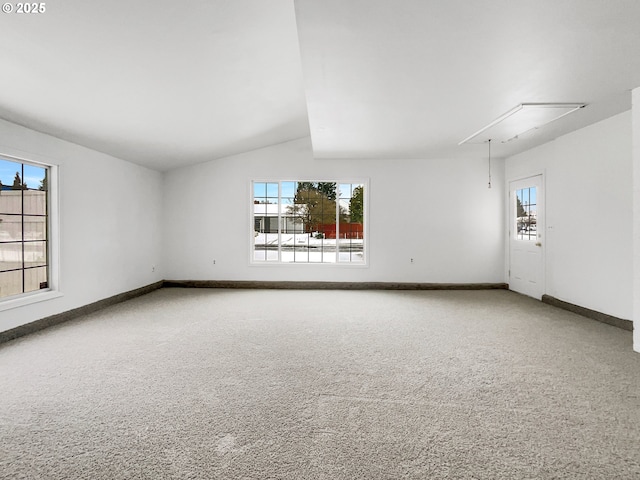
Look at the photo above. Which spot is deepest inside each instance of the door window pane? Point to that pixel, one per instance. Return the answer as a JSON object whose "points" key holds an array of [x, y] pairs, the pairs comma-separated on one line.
{"points": [[526, 214]]}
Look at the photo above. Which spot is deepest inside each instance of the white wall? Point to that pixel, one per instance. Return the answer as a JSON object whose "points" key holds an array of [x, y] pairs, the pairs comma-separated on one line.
{"points": [[636, 217], [118, 219], [440, 212], [588, 214], [110, 223]]}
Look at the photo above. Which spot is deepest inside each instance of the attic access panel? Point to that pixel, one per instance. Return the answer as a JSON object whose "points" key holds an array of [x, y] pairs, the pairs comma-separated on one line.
{"points": [[520, 120]]}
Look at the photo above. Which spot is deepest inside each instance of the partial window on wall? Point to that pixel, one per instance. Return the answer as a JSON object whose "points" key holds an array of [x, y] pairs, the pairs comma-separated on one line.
{"points": [[308, 222], [24, 227]]}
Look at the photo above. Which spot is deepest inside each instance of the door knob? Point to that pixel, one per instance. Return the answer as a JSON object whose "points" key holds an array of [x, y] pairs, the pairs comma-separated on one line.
{"points": [[538, 244]]}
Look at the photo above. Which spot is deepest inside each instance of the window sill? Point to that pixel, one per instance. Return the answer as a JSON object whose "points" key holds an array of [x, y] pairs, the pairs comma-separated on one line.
{"points": [[28, 299]]}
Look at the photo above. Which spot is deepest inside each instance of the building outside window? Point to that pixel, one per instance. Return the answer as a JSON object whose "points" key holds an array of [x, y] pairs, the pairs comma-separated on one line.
{"points": [[309, 222], [24, 227]]}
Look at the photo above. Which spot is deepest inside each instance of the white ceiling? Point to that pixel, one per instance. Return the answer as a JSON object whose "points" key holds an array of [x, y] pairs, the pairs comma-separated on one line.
{"points": [[162, 83], [165, 83]]}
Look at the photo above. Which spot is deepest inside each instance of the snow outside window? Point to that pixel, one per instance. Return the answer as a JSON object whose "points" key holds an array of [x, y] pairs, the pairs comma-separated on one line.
{"points": [[526, 214], [308, 222]]}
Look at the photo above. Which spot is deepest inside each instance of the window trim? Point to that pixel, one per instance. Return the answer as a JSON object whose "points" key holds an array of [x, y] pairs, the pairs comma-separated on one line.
{"points": [[338, 181], [53, 240]]}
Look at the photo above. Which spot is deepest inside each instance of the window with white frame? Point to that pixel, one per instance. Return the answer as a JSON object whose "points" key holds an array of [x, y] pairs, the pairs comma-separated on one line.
{"points": [[24, 227], [308, 222], [526, 214]]}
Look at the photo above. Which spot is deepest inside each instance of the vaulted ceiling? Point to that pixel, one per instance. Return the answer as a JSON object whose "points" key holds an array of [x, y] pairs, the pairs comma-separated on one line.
{"points": [[165, 84]]}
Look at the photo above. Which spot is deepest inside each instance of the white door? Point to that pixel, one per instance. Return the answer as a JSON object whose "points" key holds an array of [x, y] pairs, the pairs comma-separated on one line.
{"points": [[526, 229]]}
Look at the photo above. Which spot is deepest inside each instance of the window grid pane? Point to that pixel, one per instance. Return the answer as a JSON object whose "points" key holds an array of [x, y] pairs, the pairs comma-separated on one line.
{"points": [[526, 214], [23, 227], [308, 222]]}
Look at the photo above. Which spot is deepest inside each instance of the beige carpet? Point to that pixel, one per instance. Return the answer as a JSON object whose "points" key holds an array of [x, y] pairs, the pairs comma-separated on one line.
{"points": [[240, 384]]}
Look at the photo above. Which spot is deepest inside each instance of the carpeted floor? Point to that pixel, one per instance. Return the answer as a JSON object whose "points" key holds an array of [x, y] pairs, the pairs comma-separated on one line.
{"points": [[272, 384]]}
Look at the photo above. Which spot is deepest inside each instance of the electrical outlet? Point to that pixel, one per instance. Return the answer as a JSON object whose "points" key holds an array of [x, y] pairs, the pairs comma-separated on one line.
{"points": [[153, 268], [214, 262], [412, 260]]}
